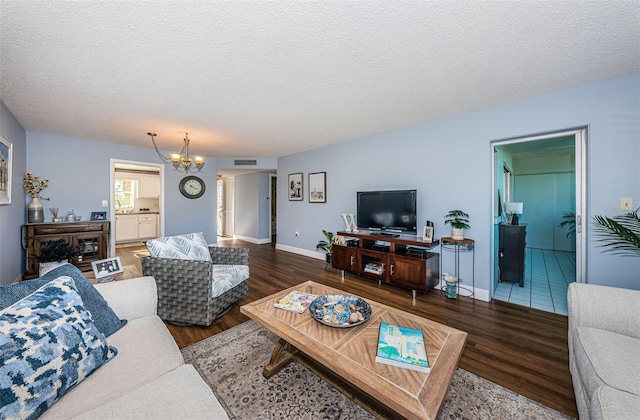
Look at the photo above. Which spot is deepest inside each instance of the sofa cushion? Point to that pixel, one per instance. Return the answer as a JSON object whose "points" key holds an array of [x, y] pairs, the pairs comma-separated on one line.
{"points": [[103, 317], [226, 277], [609, 403], [605, 358], [48, 344], [146, 350], [192, 246], [179, 394]]}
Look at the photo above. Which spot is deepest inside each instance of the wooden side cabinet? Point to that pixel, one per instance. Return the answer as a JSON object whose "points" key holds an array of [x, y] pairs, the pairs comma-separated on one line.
{"points": [[511, 253], [92, 237], [344, 257]]}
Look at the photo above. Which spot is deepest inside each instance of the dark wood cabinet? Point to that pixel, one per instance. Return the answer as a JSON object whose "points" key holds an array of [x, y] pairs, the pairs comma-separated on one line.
{"points": [[512, 239], [399, 261], [92, 237], [344, 257]]}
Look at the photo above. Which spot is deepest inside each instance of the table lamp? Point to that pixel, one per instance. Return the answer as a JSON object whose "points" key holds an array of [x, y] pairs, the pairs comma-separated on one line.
{"points": [[514, 209]]}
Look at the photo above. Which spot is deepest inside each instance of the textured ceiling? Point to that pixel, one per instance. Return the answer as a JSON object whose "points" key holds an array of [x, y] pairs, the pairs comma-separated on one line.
{"points": [[266, 79]]}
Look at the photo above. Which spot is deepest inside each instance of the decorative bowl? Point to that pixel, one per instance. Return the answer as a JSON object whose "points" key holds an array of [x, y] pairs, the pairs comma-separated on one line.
{"points": [[336, 310]]}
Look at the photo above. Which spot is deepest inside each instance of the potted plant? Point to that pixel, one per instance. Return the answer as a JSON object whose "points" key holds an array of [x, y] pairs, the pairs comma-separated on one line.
{"points": [[622, 233], [459, 221], [55, 253], [568, 221], [327, 244]]}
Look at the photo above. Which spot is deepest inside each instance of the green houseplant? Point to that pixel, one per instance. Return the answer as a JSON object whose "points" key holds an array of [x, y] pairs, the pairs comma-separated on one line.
{"points": [[326, 244], [55, 253], [459, 221], [621, 233], [569, 221]]}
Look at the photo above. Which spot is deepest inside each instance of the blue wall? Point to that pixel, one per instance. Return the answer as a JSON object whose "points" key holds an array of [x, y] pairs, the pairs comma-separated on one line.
{"points": [[78, 171], [449, 162], [251, 208], [13, 216]]}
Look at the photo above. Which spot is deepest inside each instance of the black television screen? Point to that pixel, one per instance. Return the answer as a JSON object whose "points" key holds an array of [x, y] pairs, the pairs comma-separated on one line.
{"points": [[387, 210]]}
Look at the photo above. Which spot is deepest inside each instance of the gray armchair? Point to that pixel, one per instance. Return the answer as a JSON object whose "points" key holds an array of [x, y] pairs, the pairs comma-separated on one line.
{"points": [[196, 292]]}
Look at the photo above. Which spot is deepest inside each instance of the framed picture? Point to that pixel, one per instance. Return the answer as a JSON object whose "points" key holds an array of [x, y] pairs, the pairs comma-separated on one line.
{"points": [[106, 270], [427, 234], [6, 159], [98, 215], [295, 187], [318, 187]]}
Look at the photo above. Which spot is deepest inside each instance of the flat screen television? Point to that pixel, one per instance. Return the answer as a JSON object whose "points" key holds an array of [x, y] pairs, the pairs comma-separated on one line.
{"points": [[391, 211]]}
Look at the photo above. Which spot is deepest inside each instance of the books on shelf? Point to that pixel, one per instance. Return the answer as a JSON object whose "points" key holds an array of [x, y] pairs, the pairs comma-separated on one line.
{"points": [[374, 267], [402, 347], [295, 301]]}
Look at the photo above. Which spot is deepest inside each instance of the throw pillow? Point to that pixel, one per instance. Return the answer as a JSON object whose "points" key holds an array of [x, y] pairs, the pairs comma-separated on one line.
{"points": [[192, 246], [103, 316], [48, 344]]}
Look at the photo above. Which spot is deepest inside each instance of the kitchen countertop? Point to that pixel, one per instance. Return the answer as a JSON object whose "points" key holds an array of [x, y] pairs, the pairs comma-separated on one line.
{"points": [[137, 212]]}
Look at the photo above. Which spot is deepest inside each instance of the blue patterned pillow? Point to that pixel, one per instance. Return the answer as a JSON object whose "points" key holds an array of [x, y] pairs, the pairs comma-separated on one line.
{"points": [[192, 246], [48, 344], [103, 316]]}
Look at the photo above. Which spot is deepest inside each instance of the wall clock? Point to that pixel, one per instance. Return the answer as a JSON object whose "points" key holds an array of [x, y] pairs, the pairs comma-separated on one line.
{"points": [[192, 187]]}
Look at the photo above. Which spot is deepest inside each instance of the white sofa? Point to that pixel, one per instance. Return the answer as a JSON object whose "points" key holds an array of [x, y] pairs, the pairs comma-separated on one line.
{"points": [[148, 378], [604, 351]]}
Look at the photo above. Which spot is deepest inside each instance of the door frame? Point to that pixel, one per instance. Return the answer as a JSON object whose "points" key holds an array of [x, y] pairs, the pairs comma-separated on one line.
{"points": [[272, 203], [112, 205], [580, 147]]}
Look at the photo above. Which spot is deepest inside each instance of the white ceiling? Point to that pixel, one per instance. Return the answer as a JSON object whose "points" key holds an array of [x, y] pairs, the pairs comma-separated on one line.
{"points": [[268, 79]]}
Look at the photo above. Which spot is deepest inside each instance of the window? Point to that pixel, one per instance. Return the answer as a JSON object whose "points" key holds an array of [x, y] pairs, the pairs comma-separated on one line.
{"points": [[125, 193]]}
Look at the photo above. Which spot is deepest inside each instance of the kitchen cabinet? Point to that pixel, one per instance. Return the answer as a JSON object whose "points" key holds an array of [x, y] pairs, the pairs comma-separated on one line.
{"points": [[133, 227], [126, 227], [147, 226], [149, 186]]}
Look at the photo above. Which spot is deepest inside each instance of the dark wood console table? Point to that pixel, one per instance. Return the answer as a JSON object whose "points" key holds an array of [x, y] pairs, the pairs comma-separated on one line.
{"points": [[404, 261], [91, 236]]}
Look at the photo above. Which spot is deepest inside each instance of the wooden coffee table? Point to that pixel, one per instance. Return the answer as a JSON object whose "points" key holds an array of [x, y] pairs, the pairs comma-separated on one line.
{"points": [[345, 357]]}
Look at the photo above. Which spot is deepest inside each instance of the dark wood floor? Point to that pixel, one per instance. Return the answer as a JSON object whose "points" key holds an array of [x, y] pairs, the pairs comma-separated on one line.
{"points": [[520, 348]]}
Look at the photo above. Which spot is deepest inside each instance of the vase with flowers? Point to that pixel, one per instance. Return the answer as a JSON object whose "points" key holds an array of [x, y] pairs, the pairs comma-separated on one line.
{"points": [[33, 185]]}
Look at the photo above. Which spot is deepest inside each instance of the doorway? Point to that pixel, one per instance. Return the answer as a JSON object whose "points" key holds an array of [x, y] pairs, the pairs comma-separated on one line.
{"points": [[273, 183], [541, 181], [146, 216]]}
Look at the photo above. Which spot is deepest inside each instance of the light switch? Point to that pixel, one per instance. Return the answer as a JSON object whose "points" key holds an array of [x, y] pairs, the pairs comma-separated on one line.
{"points": [[105, 203], [626, 204]]}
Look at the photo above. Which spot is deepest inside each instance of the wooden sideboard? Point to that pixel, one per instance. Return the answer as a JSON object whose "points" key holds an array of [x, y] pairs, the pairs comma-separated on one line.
{"points": [[405, 262], [92, 237]]}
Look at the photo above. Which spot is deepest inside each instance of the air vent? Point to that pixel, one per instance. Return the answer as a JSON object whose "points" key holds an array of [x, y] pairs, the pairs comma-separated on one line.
{"points": [[243, 162]]}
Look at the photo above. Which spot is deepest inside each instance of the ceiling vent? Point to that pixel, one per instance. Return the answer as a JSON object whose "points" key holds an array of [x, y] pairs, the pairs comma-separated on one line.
{"points": [[244, 162]]}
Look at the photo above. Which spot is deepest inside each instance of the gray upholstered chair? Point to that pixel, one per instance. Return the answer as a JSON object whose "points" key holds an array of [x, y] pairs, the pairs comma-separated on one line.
{"points": [[198, 292]]}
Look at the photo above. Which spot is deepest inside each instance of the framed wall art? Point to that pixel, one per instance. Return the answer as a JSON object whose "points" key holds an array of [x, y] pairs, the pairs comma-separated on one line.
{"points": [[318, 187], [6, 159], [295, 187]]}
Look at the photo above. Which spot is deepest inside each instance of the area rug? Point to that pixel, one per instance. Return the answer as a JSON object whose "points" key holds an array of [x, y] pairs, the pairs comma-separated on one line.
{"points": [[231, 363]]}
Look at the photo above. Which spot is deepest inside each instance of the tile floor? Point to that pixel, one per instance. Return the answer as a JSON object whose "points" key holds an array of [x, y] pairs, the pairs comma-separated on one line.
{"points": [[546, 278]]}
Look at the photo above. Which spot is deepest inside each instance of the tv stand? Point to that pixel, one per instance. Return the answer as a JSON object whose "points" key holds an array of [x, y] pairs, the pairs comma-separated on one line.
{"points": [[407, 262]]}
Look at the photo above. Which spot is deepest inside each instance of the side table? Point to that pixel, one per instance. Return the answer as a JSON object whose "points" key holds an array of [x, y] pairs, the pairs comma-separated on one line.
{"points": [[458, 246]]}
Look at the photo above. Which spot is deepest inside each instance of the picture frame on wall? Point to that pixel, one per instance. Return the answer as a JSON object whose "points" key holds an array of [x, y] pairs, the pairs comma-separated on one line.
{"points": [[318, 187], [295, 187], [6, 162], [427, 234]]}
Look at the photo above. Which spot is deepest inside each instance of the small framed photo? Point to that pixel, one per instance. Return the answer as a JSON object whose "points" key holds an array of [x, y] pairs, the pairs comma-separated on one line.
{"points": [[295, 187], [318, 187], [106, 270], [427, 234], [98, 215], [6, 160]]}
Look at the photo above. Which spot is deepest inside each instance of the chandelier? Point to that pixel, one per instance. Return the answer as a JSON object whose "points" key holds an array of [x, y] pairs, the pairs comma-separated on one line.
{"points": [[181, 160]]}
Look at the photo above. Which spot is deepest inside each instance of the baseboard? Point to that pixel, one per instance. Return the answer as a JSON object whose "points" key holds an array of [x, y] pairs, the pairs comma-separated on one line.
{"points": [[253, 240], [301, 251]]}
